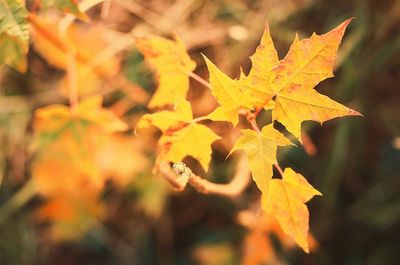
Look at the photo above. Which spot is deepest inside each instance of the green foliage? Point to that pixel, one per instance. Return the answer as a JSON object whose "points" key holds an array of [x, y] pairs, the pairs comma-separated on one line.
{"points": [[14, 34]]}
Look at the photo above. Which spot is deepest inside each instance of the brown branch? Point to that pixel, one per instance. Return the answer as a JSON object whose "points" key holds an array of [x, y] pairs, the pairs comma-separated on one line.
{"points": [[236, 186], [169, 174]]}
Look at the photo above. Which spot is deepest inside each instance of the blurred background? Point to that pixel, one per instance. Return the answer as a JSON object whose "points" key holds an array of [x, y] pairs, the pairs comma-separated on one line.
{"points": [[353, 161]]}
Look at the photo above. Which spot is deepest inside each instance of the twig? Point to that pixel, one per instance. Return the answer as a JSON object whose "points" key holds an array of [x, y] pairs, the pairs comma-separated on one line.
{"points": [[238, 183], [178, 184]]}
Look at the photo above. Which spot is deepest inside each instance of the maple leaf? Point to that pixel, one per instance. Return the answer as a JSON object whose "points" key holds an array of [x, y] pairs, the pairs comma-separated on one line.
{"points": [[58, 117], [248, 91], [229, 95], [284, 86], [172, 64], [166, 119], [286, 202], [291, 82], [181, 136], [79, 148], [260, 149], [69, 158], [14, 34], [263, 61]]}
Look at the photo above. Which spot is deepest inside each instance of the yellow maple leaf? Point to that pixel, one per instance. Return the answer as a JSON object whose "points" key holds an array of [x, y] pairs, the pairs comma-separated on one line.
{"points": [[67, 144], [166, 119], [286, 202], [229, 94], [248, 91], [69, 159], [172, 64], [55, 117], [260, 149], [307, 63], [181, 136], [194, 140], [284, 86], [263, 61]]}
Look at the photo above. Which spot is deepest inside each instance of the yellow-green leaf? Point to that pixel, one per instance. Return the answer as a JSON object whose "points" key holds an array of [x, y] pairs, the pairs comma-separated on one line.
{"points": [[192, 140], [54, 117], [286, 201], [165, 119], [181, 136], [229, 94], [14, 34], [260, 149]]}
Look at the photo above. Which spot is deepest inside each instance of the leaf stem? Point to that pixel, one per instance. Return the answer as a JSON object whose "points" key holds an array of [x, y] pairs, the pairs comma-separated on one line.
{"points": [[201, 118], [276, 165], [199, 79], [254, 125], [258, 110]]}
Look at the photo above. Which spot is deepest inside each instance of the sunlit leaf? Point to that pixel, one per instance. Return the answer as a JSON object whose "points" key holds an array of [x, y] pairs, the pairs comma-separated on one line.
{"points": [[181, 136], [260, 149], [286, 202]]}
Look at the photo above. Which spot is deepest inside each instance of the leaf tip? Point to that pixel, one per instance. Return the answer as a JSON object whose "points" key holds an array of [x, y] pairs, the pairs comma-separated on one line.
{"points": [[342, 27], [306, 249], [266, 27], [355, 113], [208, 61]]}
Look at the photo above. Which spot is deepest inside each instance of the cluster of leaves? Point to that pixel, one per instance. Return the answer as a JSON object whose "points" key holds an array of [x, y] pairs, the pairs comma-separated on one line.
{"points": [[283, 86], [71, 142], [71, 150], [77, 149], [14, 28]]}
